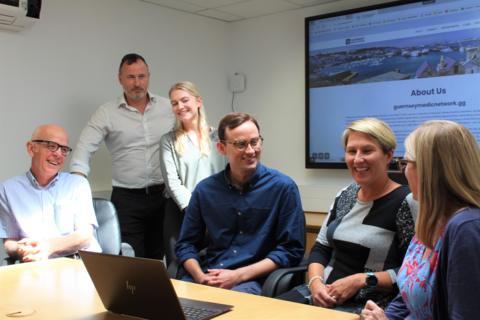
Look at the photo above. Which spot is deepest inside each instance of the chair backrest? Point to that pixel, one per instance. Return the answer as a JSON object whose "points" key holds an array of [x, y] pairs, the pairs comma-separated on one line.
{"points": [[108, 231], [3, 254], [172, 224]]}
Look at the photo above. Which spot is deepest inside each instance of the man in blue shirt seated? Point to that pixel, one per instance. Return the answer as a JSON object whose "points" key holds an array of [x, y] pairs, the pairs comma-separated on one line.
{"points": [[46, 213], [251, 215]]}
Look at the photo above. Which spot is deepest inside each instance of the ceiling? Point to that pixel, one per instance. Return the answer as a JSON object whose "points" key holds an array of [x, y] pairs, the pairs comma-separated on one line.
{"points": [[235, 10]]}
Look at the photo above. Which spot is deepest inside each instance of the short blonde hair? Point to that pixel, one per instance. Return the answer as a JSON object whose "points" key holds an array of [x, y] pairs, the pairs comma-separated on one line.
{"points": [[203, 127], [447, 159], [377, 129]]}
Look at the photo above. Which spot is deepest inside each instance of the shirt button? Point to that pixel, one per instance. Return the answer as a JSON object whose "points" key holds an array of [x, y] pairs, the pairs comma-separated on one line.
{"points": [[221, 264], [241, 232], [239, 213]]}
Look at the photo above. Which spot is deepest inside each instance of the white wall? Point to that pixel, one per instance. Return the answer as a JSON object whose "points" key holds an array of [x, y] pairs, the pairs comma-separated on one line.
{"points": [[270, 51], [64, 67]]}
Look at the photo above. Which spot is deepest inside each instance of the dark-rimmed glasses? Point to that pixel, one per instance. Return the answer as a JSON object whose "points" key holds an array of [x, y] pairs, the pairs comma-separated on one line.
{"points": [[402, 164], [53, 146], [242, 145]]}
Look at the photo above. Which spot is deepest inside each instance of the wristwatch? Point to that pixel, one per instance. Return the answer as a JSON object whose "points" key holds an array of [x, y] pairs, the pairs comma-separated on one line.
{"points": [[371, 281]]}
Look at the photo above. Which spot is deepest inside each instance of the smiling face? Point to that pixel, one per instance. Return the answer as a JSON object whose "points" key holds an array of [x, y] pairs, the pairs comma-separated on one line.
{"points": [[45, 163], [134, 79], [243, 163], [365, 159], [185, 106]]}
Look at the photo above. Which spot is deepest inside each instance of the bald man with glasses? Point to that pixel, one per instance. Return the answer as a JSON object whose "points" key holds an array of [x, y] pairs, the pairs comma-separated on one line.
{"points": [[46, 213]]}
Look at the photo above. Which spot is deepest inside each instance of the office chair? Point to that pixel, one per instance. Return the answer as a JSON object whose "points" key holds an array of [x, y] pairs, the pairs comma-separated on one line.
{"points": [[4, 258], [108, 231], [285, 279], [172, 224]]}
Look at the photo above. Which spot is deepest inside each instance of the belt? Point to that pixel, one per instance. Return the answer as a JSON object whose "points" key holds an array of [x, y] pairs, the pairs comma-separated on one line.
{"points": [[153, 189]]}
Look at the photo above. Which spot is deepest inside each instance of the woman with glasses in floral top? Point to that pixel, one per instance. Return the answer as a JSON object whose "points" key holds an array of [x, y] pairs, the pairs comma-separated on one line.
{"points": [[439, 277]]}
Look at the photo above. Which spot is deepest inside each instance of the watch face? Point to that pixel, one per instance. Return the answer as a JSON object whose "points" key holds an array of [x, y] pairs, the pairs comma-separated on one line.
{"points": [[371, 280]]}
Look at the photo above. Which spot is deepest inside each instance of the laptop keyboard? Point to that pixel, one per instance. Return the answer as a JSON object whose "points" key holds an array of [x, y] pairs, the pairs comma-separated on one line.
{"points": [[192, 313]]}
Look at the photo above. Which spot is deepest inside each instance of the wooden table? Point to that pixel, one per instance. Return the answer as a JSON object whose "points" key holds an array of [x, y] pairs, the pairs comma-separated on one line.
{"points": [[62, 289]]}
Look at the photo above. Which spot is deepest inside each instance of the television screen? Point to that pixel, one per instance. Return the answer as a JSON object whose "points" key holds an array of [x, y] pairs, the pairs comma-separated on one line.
{"points": [[403, 62]]}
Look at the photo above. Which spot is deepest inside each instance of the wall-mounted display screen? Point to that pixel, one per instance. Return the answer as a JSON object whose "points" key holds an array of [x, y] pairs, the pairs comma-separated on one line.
{"points": [[403, 62]]}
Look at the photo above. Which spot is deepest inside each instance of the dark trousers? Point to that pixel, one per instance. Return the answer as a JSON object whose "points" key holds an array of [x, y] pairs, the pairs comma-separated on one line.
{"points": [[141, 213], [171, 229]]}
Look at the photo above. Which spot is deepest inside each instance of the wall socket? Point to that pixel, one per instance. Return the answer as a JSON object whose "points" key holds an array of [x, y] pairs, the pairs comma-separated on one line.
{"points": [[237, 82]]}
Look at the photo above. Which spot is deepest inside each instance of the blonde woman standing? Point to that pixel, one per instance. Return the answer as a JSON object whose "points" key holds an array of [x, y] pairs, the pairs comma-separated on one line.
{"points": [[187, 154]]}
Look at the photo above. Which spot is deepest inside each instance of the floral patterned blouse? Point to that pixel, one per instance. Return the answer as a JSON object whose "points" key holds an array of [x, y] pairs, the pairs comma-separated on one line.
{"points": [[416, 278]]}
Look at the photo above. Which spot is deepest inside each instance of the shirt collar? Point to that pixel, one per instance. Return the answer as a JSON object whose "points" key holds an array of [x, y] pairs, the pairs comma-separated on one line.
{"points": [[34, 181], [122, 103], [259, 170]]}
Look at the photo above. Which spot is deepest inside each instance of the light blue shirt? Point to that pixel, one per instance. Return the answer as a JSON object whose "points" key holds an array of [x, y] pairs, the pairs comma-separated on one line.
{"points": [[28, 210]]}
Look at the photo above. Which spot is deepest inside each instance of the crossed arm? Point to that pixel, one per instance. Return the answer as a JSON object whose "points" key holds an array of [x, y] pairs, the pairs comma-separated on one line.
{"points": [[28, 249]]}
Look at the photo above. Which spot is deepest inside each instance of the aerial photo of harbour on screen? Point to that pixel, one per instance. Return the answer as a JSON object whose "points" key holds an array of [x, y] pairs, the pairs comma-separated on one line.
{"points": [[434, 55]]}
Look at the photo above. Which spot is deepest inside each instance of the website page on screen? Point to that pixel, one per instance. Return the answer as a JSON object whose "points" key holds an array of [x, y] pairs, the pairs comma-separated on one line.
{"points": [[404, 65]]}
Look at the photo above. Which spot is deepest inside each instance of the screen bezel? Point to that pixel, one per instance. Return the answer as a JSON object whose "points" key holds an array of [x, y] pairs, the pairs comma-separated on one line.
{"points": [[333, 165]]}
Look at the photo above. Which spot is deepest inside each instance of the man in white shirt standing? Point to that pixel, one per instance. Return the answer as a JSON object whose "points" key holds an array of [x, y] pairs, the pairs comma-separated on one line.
{"points": [[131, 127], [45, 213]]}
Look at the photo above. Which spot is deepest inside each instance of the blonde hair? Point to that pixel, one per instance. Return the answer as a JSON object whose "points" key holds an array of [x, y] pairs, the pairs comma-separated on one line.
{"points": [[447, 159], [203, 128], [377, 129]]}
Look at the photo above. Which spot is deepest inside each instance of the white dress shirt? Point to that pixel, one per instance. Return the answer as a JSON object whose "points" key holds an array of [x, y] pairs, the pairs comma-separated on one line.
{"points": [[132, 138]]}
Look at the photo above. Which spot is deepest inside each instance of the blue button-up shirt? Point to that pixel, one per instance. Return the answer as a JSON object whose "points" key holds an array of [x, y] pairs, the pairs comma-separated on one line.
{"points": [[28, 210], [264, 220]]}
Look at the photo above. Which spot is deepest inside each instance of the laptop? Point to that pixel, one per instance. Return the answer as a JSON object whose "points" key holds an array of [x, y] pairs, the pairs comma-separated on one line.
{"points": [[139, 287]]}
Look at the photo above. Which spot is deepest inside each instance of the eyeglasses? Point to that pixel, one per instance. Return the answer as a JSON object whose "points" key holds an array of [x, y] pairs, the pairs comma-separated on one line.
{"points": [[402, 164], [242, 145], [53, 146]]}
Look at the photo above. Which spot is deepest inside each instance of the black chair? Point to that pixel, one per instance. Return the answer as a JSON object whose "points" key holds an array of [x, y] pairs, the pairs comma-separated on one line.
{"points": [[108, 232], [4, 258], [285, 279], [172, 224]]}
